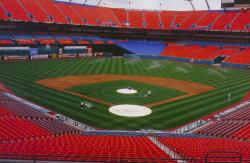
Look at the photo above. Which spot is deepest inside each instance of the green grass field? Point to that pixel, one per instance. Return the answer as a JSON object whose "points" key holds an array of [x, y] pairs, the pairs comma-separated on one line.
{"points": [[107, 92], [21, 78]]}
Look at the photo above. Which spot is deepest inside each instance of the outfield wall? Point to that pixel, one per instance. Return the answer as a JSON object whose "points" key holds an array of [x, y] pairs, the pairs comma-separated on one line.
{"points": [[206, 62], [234, 65], [133, 56]]}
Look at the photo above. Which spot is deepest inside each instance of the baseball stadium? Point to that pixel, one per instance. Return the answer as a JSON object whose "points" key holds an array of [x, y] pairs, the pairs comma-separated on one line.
{"points": [[124, 81]]}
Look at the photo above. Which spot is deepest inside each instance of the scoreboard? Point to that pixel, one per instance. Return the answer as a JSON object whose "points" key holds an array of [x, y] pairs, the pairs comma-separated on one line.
{"points": [[235, 3]]}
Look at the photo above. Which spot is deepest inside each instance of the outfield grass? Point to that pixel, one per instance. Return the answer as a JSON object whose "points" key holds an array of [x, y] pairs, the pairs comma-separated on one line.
{"points": [[107, 92], [21, 77]]}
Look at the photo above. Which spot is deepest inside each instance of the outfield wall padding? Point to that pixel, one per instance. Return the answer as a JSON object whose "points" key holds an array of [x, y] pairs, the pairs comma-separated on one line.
{"points": [[133, 56], [207, 62], [235, 65]]}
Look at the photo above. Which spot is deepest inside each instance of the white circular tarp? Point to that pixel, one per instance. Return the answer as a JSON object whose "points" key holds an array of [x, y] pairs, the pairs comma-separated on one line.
{"points": [[127, 110], [126, 91]]}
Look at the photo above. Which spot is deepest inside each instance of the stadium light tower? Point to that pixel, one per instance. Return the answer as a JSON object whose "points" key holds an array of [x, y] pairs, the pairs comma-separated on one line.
{"points": [[99, 3], [160, 5], [85, 2], [191, 3], [129, 4], [208, 6]]}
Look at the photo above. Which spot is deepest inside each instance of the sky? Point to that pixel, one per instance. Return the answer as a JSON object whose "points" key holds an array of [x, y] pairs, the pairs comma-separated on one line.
{"points": [[179, 5]]}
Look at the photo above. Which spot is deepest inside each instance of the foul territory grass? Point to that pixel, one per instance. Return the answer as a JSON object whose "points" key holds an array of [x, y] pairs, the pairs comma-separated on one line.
{"points": [[108, 92], [21, 77]]}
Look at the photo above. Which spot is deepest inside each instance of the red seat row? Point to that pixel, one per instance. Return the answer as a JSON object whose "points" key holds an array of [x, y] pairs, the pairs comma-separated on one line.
{"points": [[25, 42], [232, 54], [200, 147], [46, 41], [88, 147], [5, 113], [6, 42], [243, 133], [243, 57], [191, 51], [235, 125], [14, 129], [224, 129], [49, 11], [27, 137]]}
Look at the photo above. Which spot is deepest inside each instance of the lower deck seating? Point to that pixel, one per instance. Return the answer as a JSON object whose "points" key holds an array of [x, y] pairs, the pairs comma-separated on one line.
{"points": [[26, 38], [231, 54], [22, 110], [55, 126], [65, 42], [196, 52], [200, 147], [83, 42], [25, 42], [242, 57], [226, 51], [46, 41], [18, 110], [15, 128], [222, 128], [235, 125], [89, 148], [5, 113], [6, 42], [243, 133], [24, 135]]}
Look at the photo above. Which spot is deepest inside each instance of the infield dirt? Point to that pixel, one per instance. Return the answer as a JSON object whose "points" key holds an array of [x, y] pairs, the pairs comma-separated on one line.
{"points": [[63, 83]]}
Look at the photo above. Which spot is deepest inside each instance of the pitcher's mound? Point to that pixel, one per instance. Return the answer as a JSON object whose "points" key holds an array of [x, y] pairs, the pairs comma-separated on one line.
{"points": [[127, 110], [126, 91]]}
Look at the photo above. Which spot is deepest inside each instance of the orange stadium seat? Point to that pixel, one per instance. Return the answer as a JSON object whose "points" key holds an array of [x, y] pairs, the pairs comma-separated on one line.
{"points": [[3, 12], [242, 57], [189, 22], [85, 14], [6, 42], [241, 22], [33, 8], [135, 19], [199, 147], [152, 19], [167, 18], [243, 133], [223, 21], [66, 13], [207, 20], [121, 15], [68, 10], [17, 11], [55, 14], [178, 19]]}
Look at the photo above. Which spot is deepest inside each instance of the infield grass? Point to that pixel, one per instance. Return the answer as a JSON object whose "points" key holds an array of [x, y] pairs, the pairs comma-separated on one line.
{"points": [[21, 77], [107, 92]]}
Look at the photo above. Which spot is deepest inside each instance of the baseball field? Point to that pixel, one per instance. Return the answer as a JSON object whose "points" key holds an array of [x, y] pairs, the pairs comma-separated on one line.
{"points": [[176, 93]]}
